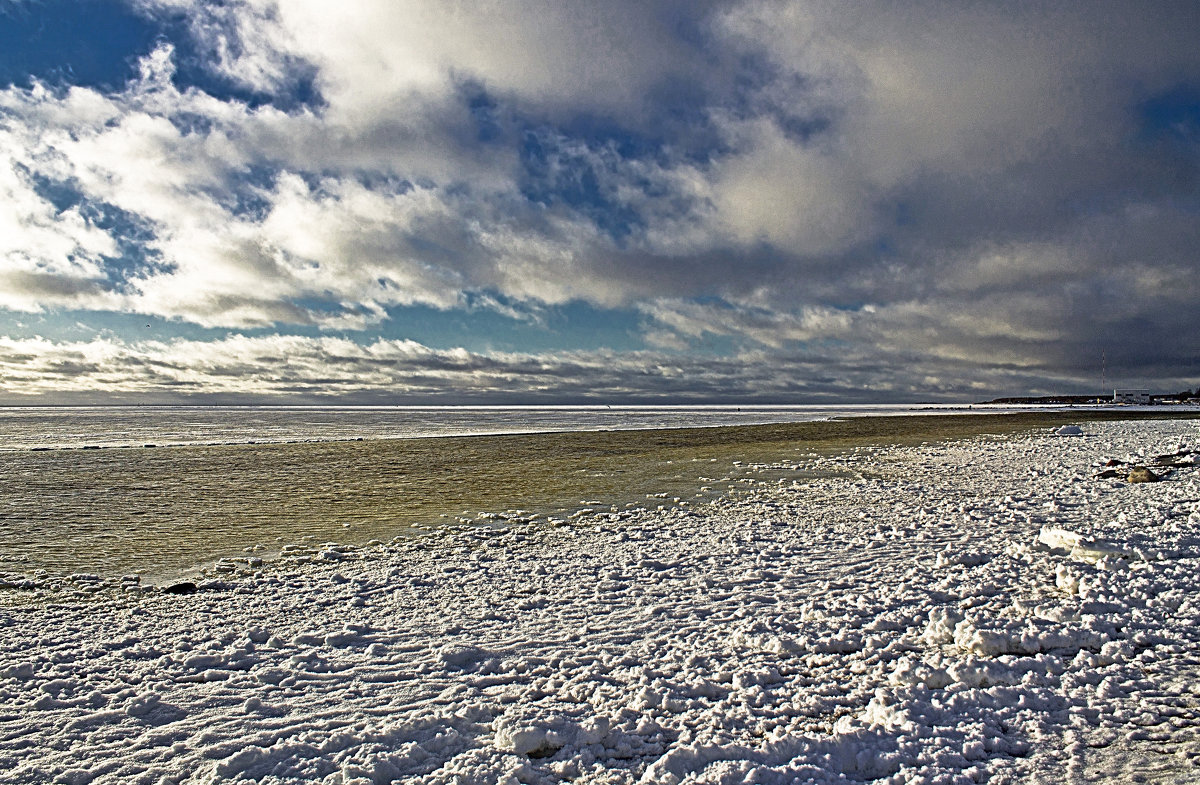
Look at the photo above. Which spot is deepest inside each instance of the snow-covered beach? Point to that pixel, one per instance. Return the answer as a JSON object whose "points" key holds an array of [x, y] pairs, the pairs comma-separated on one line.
{"points": [[978, 610]]}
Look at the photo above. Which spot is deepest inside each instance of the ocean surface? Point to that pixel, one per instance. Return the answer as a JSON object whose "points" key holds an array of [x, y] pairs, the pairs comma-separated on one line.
{"points": [[160, 491]]}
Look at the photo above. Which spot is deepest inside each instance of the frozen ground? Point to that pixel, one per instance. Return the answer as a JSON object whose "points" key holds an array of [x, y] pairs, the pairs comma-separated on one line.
{"points": [[967, 612]]}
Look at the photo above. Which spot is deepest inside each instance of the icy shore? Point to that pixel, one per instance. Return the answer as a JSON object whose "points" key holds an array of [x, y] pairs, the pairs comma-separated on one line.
{"points": [[975, 611]]}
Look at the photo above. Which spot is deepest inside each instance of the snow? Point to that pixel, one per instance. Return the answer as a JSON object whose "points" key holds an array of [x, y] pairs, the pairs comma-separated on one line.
{"points": [[986, 610]]}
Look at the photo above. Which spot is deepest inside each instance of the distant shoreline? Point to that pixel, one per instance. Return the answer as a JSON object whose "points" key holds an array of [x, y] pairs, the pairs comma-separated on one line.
{"points": [[1156, 399]]}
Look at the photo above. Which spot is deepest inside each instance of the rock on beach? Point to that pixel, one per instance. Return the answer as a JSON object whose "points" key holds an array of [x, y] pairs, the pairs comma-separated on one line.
{"points": [[1141, 474]]}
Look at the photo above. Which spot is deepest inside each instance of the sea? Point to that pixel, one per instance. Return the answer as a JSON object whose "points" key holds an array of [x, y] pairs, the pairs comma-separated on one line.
{"points": [[161, 492]]}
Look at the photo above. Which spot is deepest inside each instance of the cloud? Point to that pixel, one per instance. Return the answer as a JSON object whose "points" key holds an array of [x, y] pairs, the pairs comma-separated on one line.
{"points": [[49, 256], [972, 190], [293, 368], [761, 326], [356, 226], [371, 54], [214, 263], [289, 368]]}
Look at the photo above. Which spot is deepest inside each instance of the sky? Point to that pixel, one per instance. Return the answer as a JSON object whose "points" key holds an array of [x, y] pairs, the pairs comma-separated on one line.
{"points": [[629, 201]]}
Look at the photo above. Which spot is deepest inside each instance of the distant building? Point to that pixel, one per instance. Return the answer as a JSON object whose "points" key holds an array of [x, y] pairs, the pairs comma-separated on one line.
{"points": [[1131, 396]]}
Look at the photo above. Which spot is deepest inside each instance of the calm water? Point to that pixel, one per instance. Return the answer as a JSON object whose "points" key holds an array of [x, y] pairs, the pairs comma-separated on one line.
{"points": [[124, 426], [80, 490]]}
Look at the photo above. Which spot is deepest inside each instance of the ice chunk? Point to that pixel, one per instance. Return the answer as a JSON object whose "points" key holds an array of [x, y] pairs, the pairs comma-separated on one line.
{"points": [[242, 761], [543, 738], [141, 705], [534, 742], [951, 557], [1029, 637], [462, 657], [1058, 539], [1084, 548], [940, 629], [75, 777], [22, 671]]}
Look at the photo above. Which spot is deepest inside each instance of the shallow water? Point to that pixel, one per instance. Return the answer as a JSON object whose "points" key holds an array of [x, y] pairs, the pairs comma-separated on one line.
{"points": [[136, 426], [160, 490], [161, 511]]}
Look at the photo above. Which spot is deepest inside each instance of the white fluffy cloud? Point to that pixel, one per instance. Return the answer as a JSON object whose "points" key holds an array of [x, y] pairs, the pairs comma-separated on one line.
{"points": [[177, 161], [371, 57], [48, 257]]}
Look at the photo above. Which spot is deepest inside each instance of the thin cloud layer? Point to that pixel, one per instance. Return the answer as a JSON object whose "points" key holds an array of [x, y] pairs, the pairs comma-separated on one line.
{"points": [[241, 369], [915, 200]]}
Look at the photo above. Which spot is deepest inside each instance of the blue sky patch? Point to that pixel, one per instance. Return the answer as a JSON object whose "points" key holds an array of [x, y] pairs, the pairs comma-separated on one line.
{"points": [[90, 43]]}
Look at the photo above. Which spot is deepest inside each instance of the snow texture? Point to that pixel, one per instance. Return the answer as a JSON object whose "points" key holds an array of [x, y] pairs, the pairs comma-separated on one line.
{"points": [[984, 610]]}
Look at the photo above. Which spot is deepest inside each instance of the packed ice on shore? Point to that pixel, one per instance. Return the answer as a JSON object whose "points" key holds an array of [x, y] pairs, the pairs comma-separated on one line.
{"points": [[977, 611]]}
